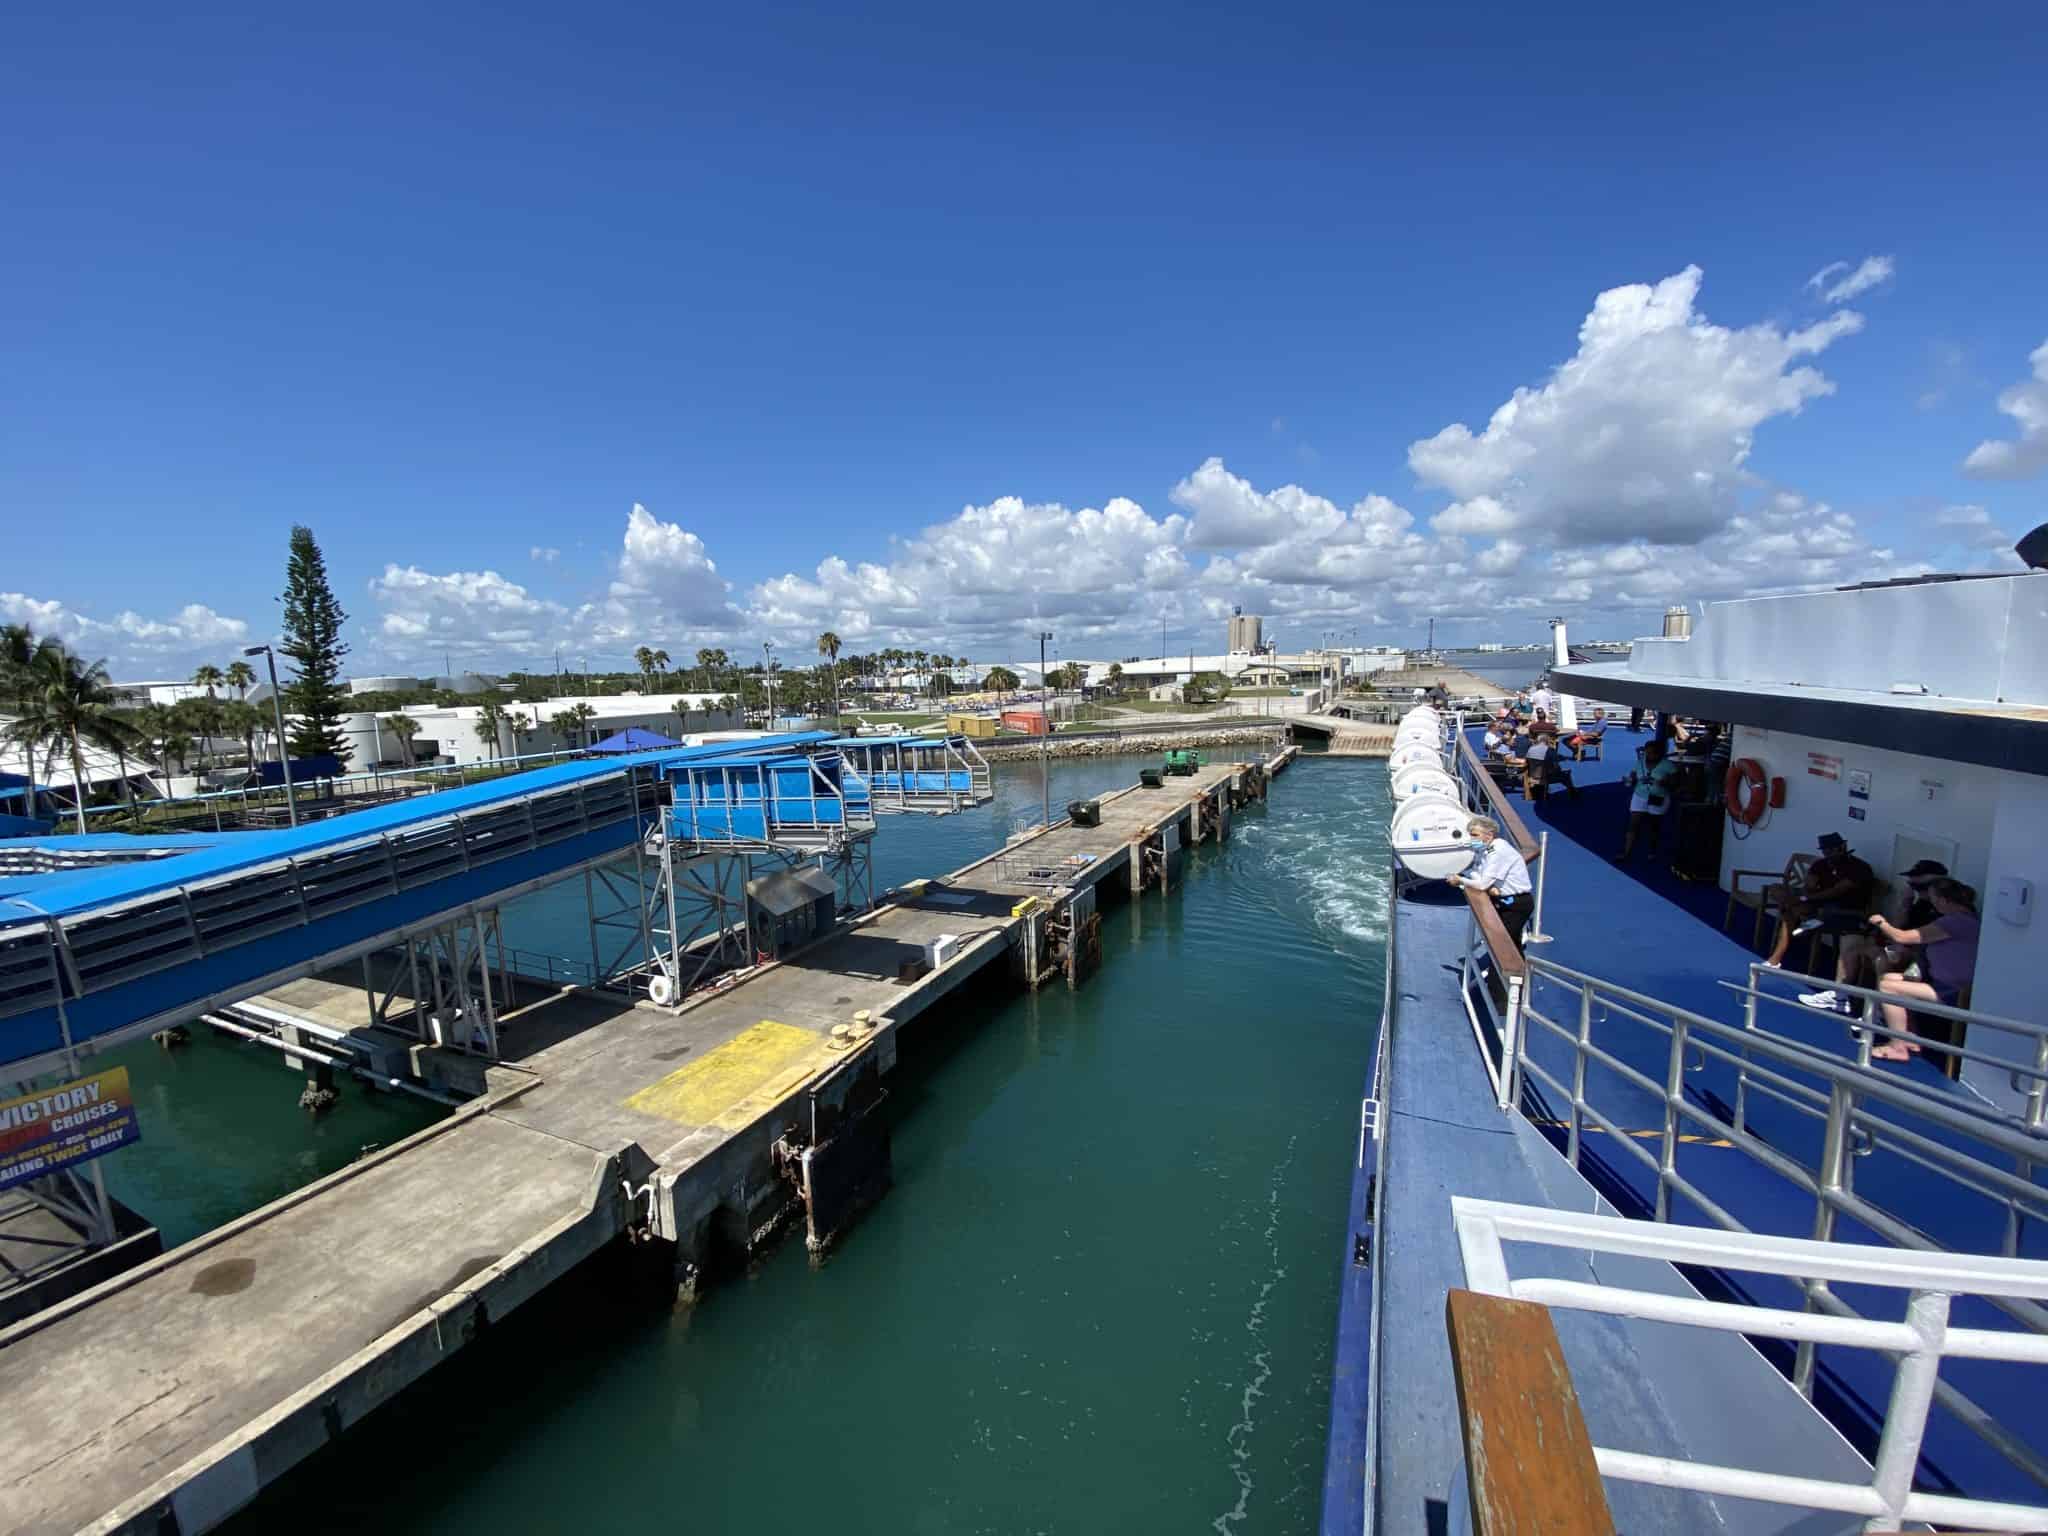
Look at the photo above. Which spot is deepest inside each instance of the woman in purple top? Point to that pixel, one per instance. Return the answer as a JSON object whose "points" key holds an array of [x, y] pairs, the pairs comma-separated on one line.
{"points": [[1948, 948]]}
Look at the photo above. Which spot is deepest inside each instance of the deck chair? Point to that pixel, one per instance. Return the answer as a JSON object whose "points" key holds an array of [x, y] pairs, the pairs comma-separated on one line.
{"points": [[1594, 744], [1763, 898]]}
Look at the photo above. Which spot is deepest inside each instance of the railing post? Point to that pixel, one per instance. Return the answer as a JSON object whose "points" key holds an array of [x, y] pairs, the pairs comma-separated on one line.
{"points": [[1511, 1044], [1674, 1089], [1579, 1071], [1536, 935], [1833, 1182], [1905, 1420]]}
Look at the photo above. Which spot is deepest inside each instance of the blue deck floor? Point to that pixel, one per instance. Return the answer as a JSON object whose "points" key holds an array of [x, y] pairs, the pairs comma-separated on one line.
{"points": [[1665, 1392], [1641, 927]]}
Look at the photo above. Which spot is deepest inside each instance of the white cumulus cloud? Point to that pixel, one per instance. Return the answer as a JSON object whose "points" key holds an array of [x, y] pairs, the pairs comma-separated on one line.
{"points": [[130, 641], [1645, 431], [1838, 282], [544, 554], [991, 573], [476, 614], [2027, 454]]}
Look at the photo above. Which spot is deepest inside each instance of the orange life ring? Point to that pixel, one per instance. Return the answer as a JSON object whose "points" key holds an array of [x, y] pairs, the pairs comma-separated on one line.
{"points": [[1746, 791]]}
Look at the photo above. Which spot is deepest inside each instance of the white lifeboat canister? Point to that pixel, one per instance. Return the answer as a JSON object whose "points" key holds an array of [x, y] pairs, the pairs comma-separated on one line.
{"points": [[1424, 779], [1429, 837], [1407, 754]]}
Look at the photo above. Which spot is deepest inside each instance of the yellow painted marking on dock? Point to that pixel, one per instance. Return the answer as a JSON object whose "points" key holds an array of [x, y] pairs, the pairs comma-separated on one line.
{"points": [[1690, 1138], [727, 1087]]}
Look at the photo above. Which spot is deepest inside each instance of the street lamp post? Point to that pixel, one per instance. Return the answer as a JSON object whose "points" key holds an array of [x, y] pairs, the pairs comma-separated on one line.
{"points": [[284, 755], [768, 652], [1044, 736]]}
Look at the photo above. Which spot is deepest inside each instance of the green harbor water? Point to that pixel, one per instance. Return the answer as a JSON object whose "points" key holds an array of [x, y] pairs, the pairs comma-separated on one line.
{"points": [[1099, 1297]]}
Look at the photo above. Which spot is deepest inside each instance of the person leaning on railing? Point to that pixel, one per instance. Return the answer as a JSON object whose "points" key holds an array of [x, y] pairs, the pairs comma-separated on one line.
{"points": [[1498, 871], [1948, 947]]}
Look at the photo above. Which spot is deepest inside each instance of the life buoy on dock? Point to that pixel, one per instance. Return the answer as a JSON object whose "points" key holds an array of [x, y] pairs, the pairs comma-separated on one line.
{"points": [[1747, 791], [661, 989]]}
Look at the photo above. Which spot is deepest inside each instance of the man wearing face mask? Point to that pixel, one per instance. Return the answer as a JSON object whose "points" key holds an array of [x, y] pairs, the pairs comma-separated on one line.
{"points": [[1498, 871]]}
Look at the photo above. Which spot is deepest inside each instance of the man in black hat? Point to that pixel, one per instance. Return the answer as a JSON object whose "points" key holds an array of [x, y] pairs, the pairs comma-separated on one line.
{"points": [[1862, 958], [1834, 897]]}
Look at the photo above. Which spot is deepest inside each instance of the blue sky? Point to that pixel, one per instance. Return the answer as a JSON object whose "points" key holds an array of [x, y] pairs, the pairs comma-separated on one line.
{"points": [[1090, 319]]}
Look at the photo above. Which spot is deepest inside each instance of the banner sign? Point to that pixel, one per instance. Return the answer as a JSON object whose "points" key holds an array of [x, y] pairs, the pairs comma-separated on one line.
{"points": [[63, 1126]]}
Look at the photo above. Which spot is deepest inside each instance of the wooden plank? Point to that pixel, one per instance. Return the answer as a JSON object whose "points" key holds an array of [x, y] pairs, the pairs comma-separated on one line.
{"points": [[1507, 960], [1528, 1460]]}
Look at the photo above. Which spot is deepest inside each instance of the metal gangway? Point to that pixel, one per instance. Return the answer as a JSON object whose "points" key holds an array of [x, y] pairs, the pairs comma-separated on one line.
{"points": [[97, 949], [938, 774]]}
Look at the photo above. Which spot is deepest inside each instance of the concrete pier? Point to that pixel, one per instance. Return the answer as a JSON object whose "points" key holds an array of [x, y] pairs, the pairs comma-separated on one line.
{"points": [[166, 1398]]}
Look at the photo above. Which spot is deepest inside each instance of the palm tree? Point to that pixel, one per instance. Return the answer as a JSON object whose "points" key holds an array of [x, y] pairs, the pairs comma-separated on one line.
{"points": [[175, 747], [828, 647], [242, 720], [241, 677], [18, 647], [209, 677], [1115, 678], [570, 723], [643, 658], [661, 662], [404, 727], [200, 719], [490, 725], [66, 701], [154, 725]]}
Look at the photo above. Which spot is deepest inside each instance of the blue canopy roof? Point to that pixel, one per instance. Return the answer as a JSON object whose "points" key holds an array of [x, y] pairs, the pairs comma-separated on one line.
{"points": [[633, 739]]}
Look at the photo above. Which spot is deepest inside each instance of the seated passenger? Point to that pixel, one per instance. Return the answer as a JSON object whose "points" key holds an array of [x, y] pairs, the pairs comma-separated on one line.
{"points": [[1863, 959], [1834, 897], [1587, 735], [1949, 947], [1543, 766], [1496, 743]]}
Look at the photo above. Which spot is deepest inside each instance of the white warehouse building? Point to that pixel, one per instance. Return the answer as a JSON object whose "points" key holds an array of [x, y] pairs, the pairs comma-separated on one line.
{"points": [[450, 733]]}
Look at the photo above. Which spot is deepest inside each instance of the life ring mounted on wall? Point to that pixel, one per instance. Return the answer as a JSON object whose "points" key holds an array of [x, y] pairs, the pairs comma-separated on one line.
{"points": [[1747, 791]]}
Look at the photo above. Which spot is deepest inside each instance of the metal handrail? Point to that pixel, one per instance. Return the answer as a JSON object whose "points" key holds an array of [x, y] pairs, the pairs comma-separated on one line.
{"points": [[1769, 1061], [1917, 1345], [1865, 1026], [496, 767], [1479, 780]]}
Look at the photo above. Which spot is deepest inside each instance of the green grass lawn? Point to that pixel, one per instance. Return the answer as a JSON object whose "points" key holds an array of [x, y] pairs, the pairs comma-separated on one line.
{"points": [[1162, 707]]}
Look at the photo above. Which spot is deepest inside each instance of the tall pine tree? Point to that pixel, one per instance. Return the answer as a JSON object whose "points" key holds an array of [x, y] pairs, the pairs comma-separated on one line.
{"points": [[312, 639]]}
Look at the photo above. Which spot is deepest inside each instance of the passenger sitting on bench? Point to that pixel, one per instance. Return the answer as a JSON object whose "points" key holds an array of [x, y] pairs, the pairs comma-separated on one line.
{"points": [[1949, 945], [1543, 765], [1588, 735], [1496, 742], [1835, 897], [1864, 959]]}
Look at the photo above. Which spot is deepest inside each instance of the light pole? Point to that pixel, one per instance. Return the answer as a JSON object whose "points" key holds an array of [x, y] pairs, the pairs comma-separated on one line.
{"points": [[284, 756], [768, 652], [1045, 735]]}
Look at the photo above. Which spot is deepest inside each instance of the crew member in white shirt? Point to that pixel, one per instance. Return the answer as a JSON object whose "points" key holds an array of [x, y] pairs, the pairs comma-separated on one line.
{"points": [[1544, 700], [1498, 870]]}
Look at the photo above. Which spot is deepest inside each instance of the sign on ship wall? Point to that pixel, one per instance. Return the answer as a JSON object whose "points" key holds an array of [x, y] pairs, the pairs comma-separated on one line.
{"points": [[62, 1127]]}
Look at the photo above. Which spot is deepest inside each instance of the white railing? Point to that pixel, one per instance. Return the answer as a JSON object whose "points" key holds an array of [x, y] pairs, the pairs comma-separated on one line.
{"points": [[1917, 1345], [1860, 1112]]}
